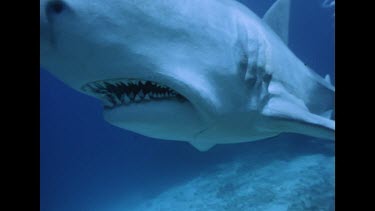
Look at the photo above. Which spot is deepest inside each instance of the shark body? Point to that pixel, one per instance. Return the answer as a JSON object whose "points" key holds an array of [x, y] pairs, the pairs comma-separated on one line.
{"points": [[206, 72]]}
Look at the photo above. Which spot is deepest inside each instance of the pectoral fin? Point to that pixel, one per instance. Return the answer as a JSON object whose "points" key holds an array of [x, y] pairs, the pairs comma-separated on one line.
{"points": [[287, 116], [202, 146]]}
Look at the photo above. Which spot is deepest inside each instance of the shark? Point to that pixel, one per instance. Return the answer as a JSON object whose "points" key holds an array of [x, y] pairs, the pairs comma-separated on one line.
{"points": [[206, 72]]}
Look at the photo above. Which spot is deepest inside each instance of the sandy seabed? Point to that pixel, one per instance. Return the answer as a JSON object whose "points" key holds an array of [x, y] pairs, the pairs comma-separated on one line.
{"points": [[304, 183]]}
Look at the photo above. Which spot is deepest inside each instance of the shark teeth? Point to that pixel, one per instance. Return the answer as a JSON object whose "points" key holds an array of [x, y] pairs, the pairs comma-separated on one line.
{"points": [[128, 91]]}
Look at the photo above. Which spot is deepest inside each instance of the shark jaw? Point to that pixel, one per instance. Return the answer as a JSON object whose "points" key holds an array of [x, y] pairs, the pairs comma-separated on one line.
{"points": [[147, 107], [123, 92]]}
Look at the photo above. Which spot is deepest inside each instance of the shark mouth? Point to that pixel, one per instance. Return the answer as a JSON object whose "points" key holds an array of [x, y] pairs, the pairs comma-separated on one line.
{"points": [[122, 92]]}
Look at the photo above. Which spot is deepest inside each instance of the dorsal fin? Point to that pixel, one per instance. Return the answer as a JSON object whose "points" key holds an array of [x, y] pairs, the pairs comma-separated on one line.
{"points": [[277, 17]]}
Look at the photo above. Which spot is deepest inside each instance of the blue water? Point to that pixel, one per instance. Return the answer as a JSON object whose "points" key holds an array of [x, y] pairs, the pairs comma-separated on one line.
{"points": [[87, 164]]}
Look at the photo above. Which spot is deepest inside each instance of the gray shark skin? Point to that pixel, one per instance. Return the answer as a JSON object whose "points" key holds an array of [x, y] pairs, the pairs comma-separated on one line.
{"points": [[203, 71]]}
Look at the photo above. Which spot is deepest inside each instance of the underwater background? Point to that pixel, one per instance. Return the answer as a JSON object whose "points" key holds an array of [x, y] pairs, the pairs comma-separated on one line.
{"points": [[87, 164]]}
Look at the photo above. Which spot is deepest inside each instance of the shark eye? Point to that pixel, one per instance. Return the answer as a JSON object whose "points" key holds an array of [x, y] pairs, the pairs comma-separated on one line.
{"points": [[55, 7]]}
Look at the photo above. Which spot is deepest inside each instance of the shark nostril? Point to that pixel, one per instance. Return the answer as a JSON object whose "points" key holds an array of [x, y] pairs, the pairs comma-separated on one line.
{"points": [[55, 7]]}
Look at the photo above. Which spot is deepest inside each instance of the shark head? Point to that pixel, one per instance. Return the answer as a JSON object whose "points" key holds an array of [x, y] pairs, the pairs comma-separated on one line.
{"points": [[155, 75], [164, 70]]}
